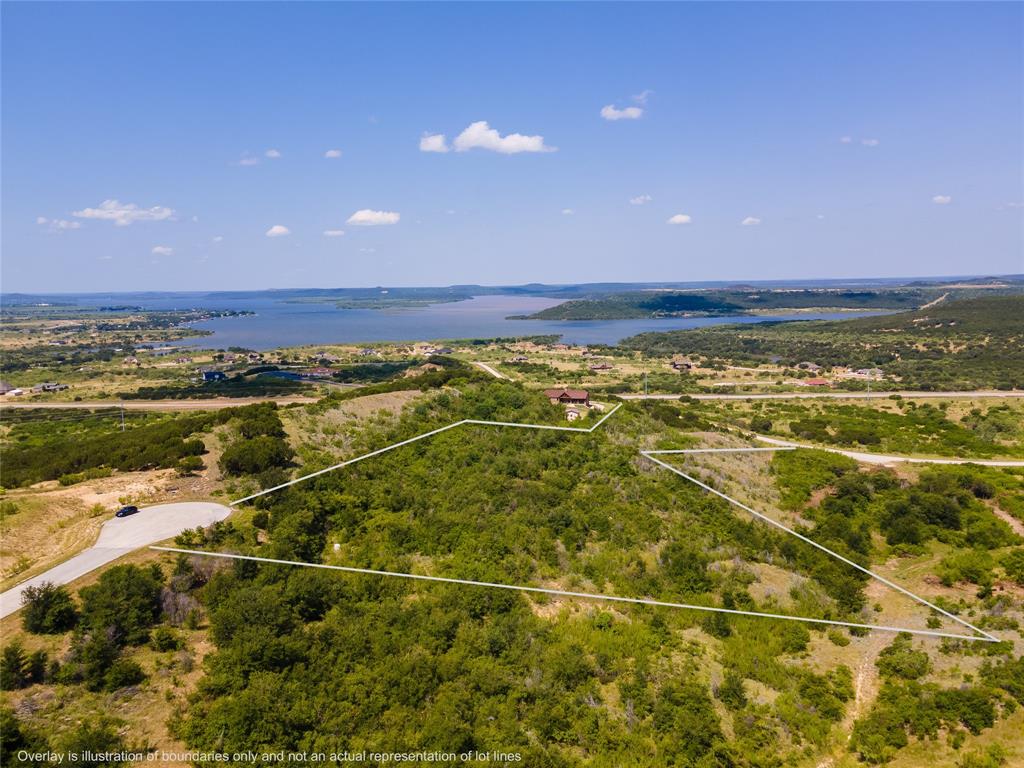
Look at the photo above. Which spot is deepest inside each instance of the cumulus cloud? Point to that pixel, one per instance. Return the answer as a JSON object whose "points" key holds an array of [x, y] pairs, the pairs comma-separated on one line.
{"points": [[480, 135], [249, 160], [273, 154], [370, 218], [846, 140], [870, 142], [611, 112], [750, 221], [123, 214], [641, 98], [332, 154], [640, 200], [679, 218], [433, 142], [58, 224], [162, 250], [942, 199], [278, 230], [334, 232], [218, 239], [568, 211]]}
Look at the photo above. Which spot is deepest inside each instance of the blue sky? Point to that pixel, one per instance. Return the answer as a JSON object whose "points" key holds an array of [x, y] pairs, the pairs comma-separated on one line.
{"points": [[874, 139]]}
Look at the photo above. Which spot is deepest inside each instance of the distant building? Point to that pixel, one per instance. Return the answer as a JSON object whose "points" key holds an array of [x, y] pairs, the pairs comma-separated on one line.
{"points": [[49, 386], [519, 359], [568, 396], [602, 367], [183, 360], [5, 387], [816, 382], [214, 376], [443, 351], [809, 366], [572, 414], [130, 360], [318, 373], [682, 365]]}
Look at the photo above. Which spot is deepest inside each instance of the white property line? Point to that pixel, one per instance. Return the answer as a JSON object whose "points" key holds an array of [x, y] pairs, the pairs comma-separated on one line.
{"points": [[560, 592], [986, 637], [379, 451], [650, 455]]}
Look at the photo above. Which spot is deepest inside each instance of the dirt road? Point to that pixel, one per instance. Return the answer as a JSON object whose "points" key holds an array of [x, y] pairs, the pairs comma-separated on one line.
{"points": [[880, 458]]}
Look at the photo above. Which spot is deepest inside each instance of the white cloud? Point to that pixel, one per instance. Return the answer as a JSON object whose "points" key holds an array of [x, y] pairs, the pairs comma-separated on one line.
{"points": [[568, 211], [610, 112], [846, 140], [870, 142], [433, 142], [162, 250], [942, 199], [640, 200], [104, 258], [332, 154], [278, 230], [750, 221], [370, 218], [218, 239], [273, 154], [248, 160], [820, 217], [123, 214], [641, 98], [480, 135], [58, 224], [679, 218], [334, 232], [367, 250]]}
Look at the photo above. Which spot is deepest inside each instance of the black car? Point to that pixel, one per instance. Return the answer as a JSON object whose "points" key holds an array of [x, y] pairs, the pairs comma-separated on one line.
{"points": [[125, 511]]}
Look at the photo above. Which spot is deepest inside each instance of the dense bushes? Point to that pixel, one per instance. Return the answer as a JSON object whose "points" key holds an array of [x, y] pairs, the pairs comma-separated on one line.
{"points": [[48, 454], [47, 610], [124, 603]]}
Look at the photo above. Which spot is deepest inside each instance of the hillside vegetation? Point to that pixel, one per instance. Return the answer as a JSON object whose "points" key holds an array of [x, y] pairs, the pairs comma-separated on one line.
{"points": [[956, 345]]}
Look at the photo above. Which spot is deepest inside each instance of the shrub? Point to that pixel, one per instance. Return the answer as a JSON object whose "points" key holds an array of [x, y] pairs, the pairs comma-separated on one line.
{"points": [[126, 600], [189, 465], [255, 455], [47, 610], [164, 639]]}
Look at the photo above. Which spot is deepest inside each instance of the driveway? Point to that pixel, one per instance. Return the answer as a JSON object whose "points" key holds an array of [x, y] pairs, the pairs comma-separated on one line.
{"points": [[118, 537], [879, 458]]}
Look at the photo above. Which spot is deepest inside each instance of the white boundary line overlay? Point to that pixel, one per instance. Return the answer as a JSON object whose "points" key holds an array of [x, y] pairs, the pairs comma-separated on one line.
{"points": [[432, 432], [984, 636], [560, 592]]}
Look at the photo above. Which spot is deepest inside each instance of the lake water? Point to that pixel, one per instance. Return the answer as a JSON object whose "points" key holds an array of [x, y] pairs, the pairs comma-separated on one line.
{"points": [[281, 324]]}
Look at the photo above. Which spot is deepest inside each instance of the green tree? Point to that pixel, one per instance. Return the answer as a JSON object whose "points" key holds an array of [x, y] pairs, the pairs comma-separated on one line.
{"points": [[47, 609], [125, 601]]}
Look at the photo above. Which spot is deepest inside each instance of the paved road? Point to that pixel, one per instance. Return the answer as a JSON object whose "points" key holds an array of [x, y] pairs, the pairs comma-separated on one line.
{"points": [[158, 405], [833, 395], [118, 537], [879, 458], [495, 373]]}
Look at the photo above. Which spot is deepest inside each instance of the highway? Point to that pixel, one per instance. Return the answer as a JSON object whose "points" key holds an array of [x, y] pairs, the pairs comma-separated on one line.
{"points": [[831, 395]]}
